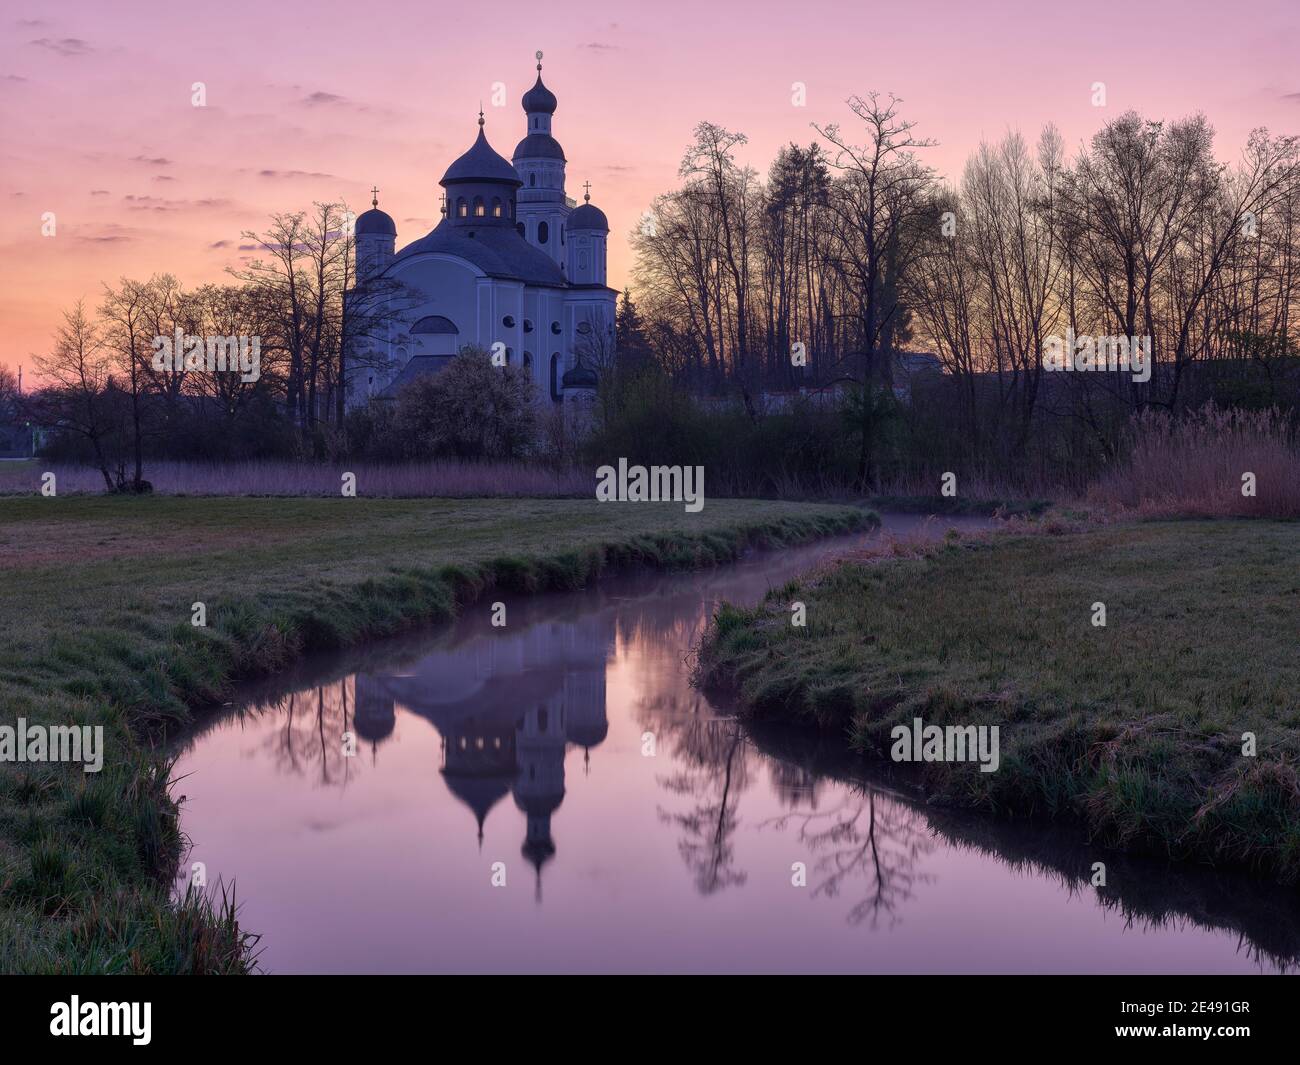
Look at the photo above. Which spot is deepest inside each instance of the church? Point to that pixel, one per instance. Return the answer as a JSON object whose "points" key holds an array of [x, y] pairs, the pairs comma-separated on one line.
{"points": [[514, 266]]}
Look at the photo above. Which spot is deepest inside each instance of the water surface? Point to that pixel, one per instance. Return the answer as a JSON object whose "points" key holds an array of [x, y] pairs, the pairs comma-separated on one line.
{"points": [[637, 826]]}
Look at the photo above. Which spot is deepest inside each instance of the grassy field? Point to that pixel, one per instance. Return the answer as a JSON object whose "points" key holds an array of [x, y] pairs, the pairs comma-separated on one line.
{"points": [[1133, 729], [96, 598]]}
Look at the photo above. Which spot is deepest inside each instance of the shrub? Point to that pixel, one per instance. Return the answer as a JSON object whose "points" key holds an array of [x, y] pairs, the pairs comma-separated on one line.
{"points": [[470, 409]]}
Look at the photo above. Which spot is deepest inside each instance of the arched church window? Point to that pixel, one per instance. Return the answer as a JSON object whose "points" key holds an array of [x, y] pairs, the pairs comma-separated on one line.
{"points": [[510, 356], [543, 232], [462, 208], [532, 180], [528, 363], [478, 207], [555, 376], [496, 208]]}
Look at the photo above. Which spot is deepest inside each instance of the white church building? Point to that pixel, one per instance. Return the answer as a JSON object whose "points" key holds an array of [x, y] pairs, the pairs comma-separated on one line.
{"points": [[513, 262]]}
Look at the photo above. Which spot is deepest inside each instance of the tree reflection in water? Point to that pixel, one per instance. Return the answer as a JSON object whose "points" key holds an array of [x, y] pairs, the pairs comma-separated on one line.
{"points": [[867, 836]]}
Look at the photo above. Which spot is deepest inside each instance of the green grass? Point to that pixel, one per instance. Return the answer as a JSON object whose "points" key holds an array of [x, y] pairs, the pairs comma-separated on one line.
{"points": [[1134, 729], [95, 629]]}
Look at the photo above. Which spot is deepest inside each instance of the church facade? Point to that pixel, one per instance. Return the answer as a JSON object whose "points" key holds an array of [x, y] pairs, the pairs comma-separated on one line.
{"points": [[514, 267]]}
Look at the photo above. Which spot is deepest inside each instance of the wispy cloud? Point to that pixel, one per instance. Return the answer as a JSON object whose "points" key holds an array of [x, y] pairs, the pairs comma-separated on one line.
{"points": [[292, 174], [317, 99], [155, 161], [66, 46], [109, 234]]}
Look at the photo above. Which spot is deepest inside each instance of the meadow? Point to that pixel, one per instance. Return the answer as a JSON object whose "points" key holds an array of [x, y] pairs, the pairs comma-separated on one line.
{"points": [[1165, 723]]}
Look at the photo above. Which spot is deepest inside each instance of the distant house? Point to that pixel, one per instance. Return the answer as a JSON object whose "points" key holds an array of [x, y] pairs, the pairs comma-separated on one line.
{"points": [[909, 367]]}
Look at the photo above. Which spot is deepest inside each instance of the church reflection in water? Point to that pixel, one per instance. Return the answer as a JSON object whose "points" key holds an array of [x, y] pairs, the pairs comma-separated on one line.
{"points": [[507, 705], [738, 802]]}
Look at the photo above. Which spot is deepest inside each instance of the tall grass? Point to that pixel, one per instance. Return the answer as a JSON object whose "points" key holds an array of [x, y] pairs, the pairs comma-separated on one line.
{"points": [[446, 479], [1194, 465]]}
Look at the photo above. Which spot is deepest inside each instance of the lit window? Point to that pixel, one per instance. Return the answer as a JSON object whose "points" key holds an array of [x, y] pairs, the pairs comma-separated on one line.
{"points": [[496, 208], [479, 210], [462, 208]]}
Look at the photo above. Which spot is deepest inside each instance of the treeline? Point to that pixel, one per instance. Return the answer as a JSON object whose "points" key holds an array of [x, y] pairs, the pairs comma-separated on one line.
{"points": [[852, 250], [112, 400]]}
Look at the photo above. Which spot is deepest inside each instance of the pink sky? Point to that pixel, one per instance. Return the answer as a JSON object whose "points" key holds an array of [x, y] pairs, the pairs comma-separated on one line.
{"points": [[312, 101]]}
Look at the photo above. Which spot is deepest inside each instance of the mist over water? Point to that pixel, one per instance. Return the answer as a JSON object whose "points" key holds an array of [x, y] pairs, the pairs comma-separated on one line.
{"points": [[525, 746]]}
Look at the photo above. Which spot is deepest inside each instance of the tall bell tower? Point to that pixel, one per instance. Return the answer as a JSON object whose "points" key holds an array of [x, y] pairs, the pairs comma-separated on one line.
{"points": [[542, 206]]}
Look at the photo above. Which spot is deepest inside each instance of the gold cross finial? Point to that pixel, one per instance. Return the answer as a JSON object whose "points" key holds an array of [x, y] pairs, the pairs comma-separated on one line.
{"points": [[374, 196], [587, 185], [539, 62]]}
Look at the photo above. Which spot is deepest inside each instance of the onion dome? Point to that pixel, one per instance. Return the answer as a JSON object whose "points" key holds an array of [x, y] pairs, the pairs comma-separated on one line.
{"points": [[481, 164], [581, 376], [539, 98], [539, 146], [587, 217], [375, 221]]}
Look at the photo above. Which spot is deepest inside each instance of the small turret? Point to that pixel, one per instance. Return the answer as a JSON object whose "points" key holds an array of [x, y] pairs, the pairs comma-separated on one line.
{"points": [[586, 236], [376, 235]]}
